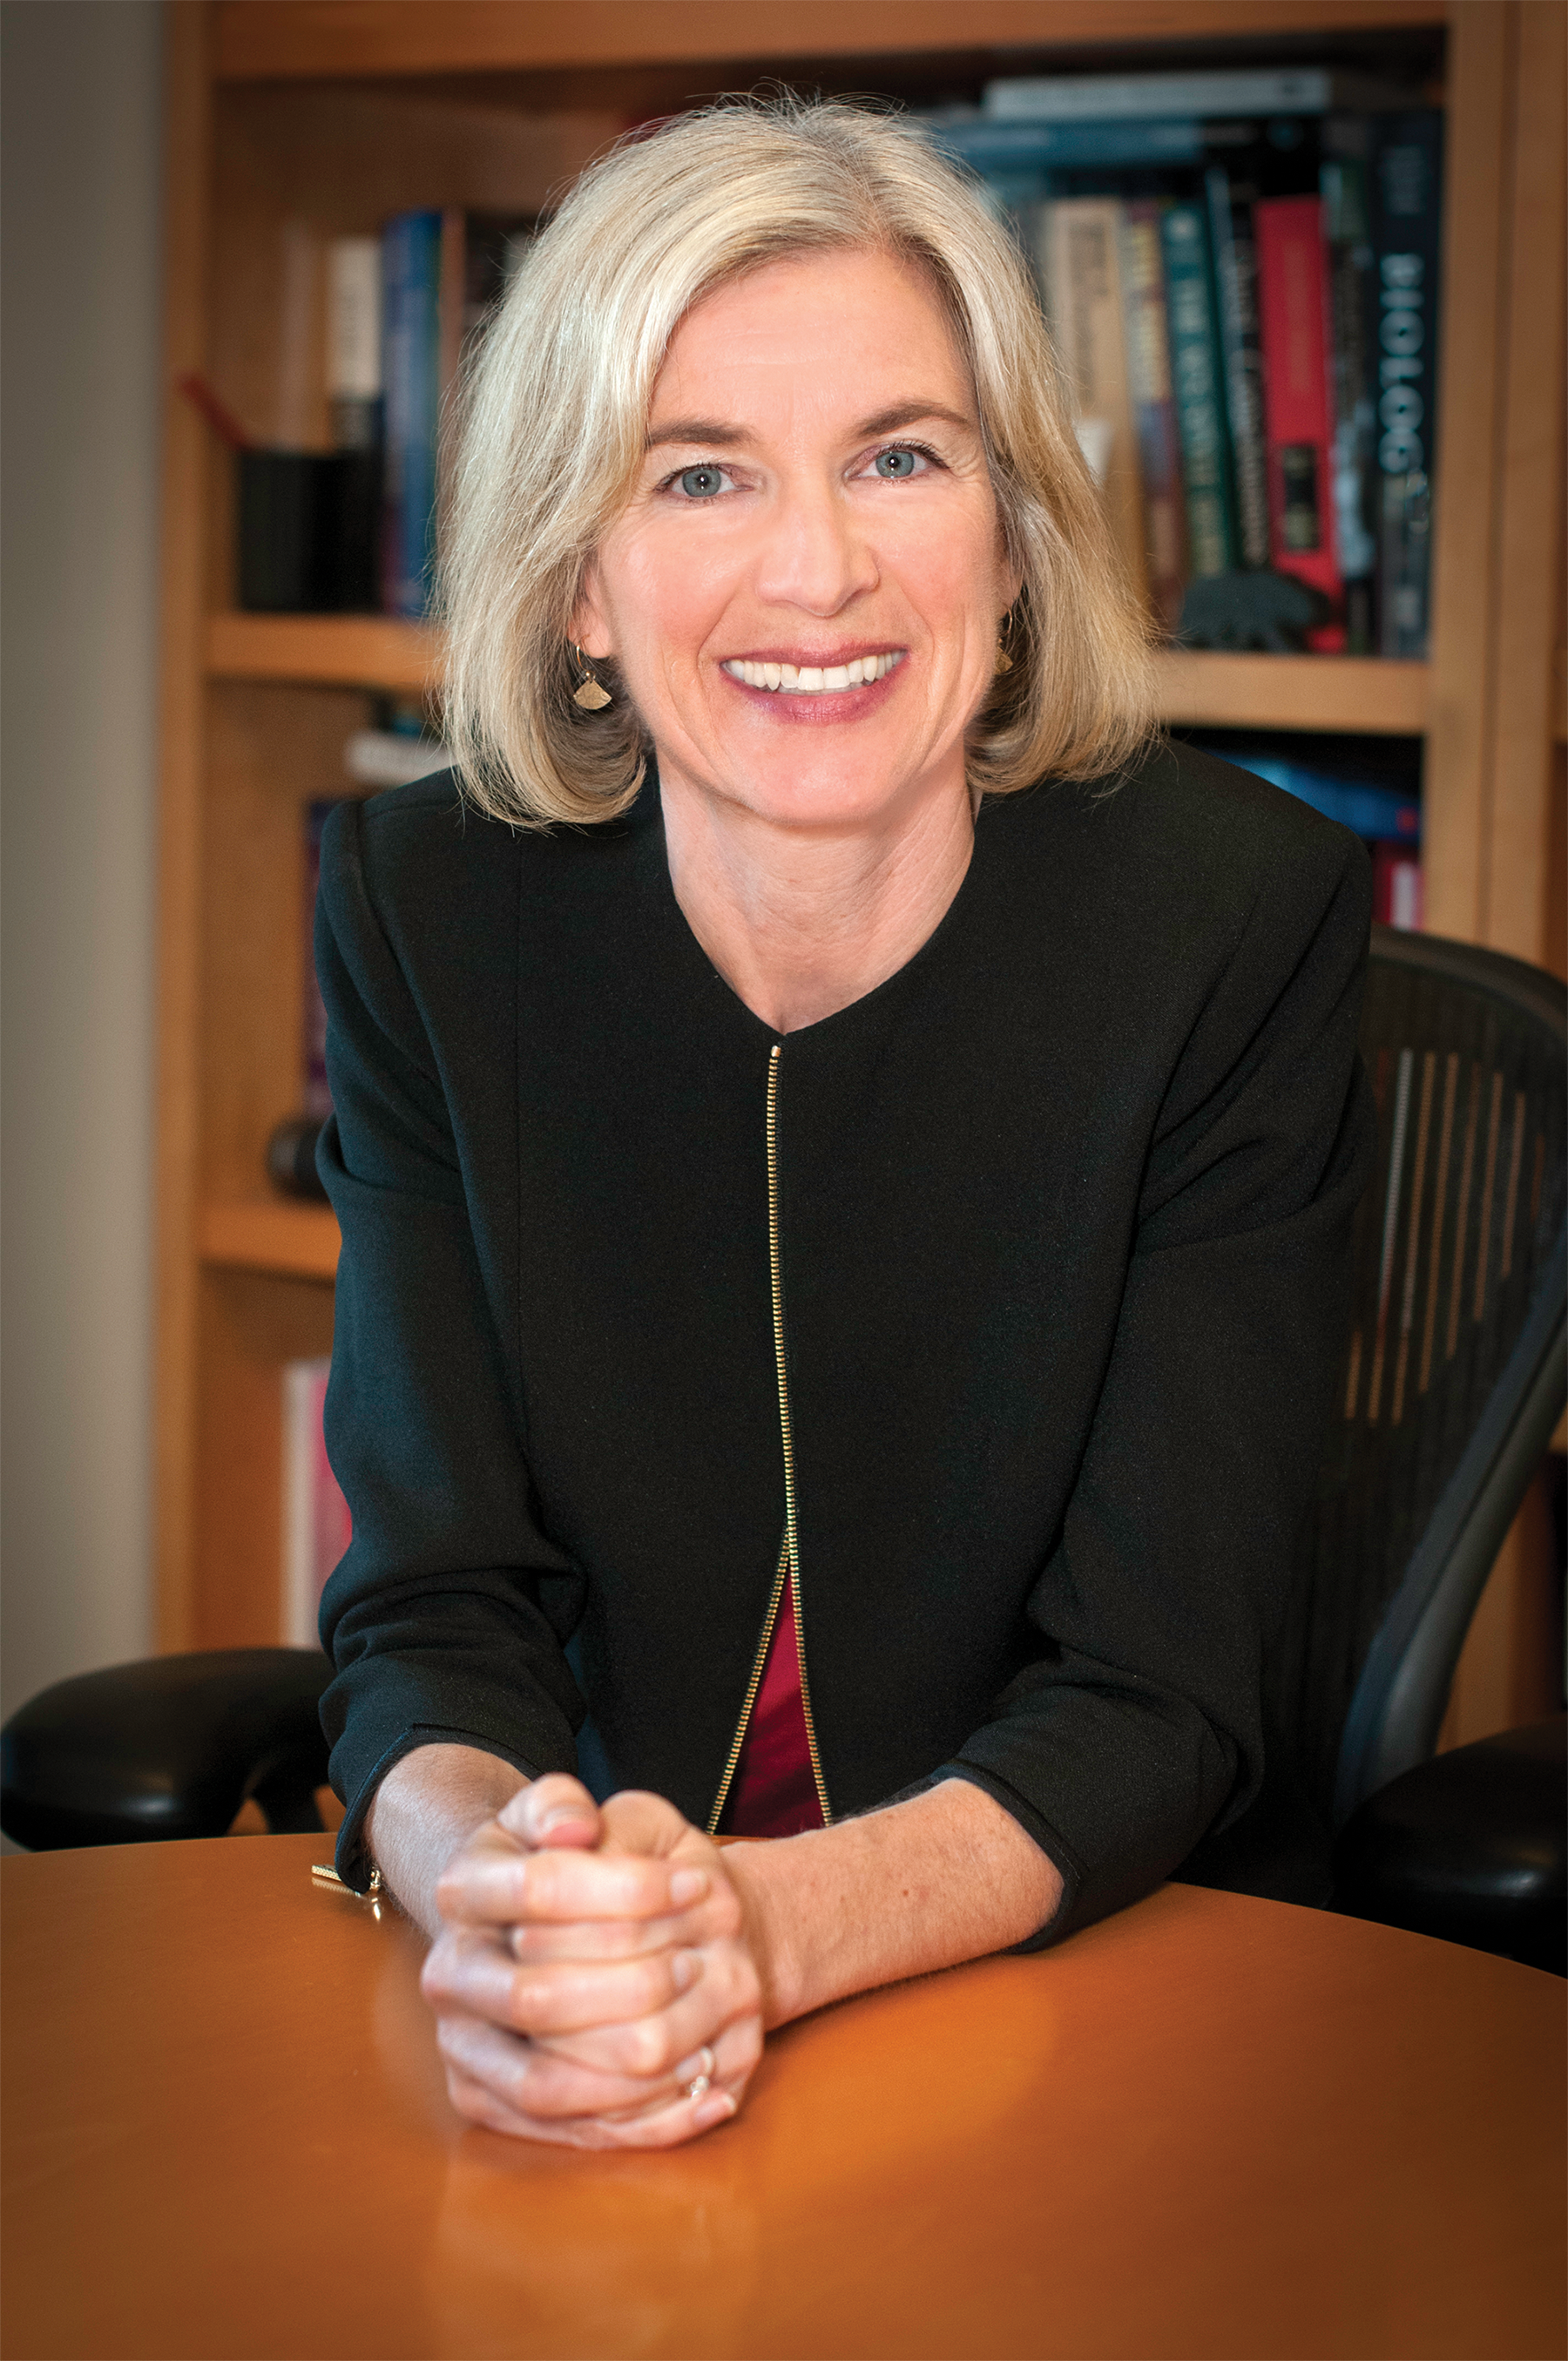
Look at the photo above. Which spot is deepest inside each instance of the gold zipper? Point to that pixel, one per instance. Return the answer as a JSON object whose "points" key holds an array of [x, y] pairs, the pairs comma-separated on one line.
{"points": [[789, 1555]]}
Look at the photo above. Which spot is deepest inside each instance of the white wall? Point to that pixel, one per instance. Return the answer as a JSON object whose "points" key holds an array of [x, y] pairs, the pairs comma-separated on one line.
{"points": [[79, 246]]}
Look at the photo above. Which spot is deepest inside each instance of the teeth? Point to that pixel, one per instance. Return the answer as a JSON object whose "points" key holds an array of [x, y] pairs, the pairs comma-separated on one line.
{"points": [[814, 680]]}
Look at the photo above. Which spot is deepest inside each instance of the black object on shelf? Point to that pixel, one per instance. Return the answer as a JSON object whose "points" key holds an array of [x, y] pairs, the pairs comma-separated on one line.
{"points": [[292, 1157], [1254, 608], [309, 531]]}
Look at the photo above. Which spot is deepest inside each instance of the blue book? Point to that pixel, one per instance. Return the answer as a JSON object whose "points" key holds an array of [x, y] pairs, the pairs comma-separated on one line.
{"points": [[995, 148], [1381, 815], [1198, 386], [410, 314], [1406, 188]]}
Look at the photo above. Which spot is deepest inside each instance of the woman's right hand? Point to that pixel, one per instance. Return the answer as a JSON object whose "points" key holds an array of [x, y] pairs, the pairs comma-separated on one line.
{"points": [[591, 1966]]}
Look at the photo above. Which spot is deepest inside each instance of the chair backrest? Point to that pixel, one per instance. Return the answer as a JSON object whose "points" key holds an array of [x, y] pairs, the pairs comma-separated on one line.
{"points": [[1455, 1369]]}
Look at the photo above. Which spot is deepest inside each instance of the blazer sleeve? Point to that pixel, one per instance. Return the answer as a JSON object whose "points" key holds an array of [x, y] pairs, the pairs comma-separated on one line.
{"points": [[1136, 1730], [447, 1617]]}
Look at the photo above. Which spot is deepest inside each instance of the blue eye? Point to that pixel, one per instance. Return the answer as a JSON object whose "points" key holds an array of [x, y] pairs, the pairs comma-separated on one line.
{"points": [[893, 464], [702, 483]]}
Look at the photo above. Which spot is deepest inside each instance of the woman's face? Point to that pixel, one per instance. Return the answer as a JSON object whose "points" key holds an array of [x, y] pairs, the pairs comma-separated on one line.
{"points": [[814, 501]]}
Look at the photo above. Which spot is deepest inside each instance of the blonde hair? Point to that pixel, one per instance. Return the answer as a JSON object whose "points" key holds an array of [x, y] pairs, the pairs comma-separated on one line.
{"points": [[555, 423]]}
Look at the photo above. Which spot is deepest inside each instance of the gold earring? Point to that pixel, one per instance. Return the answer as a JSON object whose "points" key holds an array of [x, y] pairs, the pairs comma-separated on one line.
{"points": [[589, 693], [1003, 660]]}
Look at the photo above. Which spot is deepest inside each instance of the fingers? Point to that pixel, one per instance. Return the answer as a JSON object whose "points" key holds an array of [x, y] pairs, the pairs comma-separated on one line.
{"points": [[646, 2047], [479, 1975], [664, 2126], [533, 2086], [489, 1885], [554, 1811]]}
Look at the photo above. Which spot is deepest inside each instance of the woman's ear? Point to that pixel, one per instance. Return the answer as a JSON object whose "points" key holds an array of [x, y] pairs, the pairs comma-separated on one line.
{"points": [[590, 627]]}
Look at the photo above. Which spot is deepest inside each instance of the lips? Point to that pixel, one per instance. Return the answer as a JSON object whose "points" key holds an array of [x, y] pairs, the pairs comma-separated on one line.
{"points": [[814, 680]]}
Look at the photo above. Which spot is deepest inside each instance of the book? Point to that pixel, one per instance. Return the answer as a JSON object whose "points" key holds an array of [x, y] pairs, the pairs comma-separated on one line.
{"points": [[354, 409], [1235, 90], [317, 1527], [1397, 896], [390, 758], [442, 275], [315, 1094], [1078, 248], [1293, 304], [1154, 409], [1235, 277], [1343, 183], [1199, 390], [1406, 196], [989, 147], [1378, 814], [410, 283]]}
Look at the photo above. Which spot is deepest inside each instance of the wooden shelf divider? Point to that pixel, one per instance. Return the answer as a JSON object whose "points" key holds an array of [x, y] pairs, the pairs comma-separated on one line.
{"points": [[267, 1234]]}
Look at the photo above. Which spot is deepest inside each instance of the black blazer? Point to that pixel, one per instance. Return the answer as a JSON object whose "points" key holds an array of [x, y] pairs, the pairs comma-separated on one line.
{"points": [[1062, 1216]]}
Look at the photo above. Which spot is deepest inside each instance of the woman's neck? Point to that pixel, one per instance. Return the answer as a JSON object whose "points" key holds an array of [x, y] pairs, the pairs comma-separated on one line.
{"points": [[802, 922]]}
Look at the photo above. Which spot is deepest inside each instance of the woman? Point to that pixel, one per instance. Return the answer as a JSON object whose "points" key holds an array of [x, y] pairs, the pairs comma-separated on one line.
{"points": [[839, 1296]]}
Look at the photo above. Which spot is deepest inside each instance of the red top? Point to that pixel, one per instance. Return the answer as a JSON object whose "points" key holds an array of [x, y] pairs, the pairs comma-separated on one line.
{"points": [[773, 1793]]}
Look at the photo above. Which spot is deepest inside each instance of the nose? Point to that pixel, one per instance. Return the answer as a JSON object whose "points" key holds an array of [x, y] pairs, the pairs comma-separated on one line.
{"points": [[816, 558]]}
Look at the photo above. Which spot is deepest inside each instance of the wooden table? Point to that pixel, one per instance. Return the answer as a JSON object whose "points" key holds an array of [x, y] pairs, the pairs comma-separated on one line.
{"points": [[1212, 2126]]}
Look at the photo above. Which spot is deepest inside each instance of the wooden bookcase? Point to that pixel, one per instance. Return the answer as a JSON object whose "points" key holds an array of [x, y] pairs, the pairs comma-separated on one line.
{"points": [[338, 112]]}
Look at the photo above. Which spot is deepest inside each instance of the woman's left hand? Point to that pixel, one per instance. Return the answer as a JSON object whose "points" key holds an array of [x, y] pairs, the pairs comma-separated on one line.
{"points": [[562, 2015]]}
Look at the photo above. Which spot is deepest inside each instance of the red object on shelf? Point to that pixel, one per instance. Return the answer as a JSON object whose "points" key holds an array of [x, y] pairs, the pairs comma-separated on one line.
{"points": [[1298, 402]]}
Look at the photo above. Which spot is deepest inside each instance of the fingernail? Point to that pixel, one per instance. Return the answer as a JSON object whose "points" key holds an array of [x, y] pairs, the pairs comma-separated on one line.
{"points": [[684, 1970], [564, 1816], [688, 1885], [717, 2108]]}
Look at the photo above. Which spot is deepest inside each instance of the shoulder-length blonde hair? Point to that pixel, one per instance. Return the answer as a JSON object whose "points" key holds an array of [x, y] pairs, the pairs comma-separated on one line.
{"points": [[555, 423]]}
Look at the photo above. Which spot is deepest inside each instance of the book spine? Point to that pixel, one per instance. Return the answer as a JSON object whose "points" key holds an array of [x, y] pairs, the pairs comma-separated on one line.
{"points": [[1346, 229], [317, 1527], [354, 342], [1397, 896], [412, 365], [316, 1095], [1082, 272], [1198, 389], [1236, 273], [1154, 406], [1293, 298], [1407, 182]]}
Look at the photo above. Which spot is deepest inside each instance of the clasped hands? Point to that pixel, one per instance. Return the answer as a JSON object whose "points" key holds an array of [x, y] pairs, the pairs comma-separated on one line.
{"points": [[594, 1980]]}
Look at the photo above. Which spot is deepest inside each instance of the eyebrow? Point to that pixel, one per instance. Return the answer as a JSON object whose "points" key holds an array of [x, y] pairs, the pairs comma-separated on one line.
{"points": [[718, 434]]}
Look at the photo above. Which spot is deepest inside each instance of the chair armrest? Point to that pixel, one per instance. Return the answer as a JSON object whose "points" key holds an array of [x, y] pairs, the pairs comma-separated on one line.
{"points": [[170, 1747], [1471, 1846]]}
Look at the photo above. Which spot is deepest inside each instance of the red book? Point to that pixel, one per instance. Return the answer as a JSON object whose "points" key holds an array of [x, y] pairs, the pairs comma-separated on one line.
{"points": [[1397, 898], [1297, 401]]}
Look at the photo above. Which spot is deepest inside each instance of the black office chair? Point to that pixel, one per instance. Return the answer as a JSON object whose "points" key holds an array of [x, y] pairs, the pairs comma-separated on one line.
{"points": [[1453, 1379]]}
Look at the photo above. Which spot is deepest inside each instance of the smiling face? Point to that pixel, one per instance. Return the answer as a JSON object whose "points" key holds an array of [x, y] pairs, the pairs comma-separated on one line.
{"points": [[803, 595]]}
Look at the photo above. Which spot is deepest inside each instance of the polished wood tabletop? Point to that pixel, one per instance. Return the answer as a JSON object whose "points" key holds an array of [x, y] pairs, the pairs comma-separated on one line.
{"points": [[1210, 2127]]}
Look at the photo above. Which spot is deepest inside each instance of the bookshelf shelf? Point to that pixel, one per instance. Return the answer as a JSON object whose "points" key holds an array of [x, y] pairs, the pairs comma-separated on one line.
{"points": [[298, 1241], [1344, 693], [1259, 692], [351, 650], [323, 39]]}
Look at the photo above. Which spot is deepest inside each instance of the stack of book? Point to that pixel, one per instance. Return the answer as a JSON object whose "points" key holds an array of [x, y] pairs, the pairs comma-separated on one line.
{"points": [[1240, 274]]}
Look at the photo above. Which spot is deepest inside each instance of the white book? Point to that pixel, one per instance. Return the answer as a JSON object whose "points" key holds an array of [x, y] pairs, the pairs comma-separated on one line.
{"points": [[385, 758], [316, 1524], [1283, 89], [353, 319]]}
